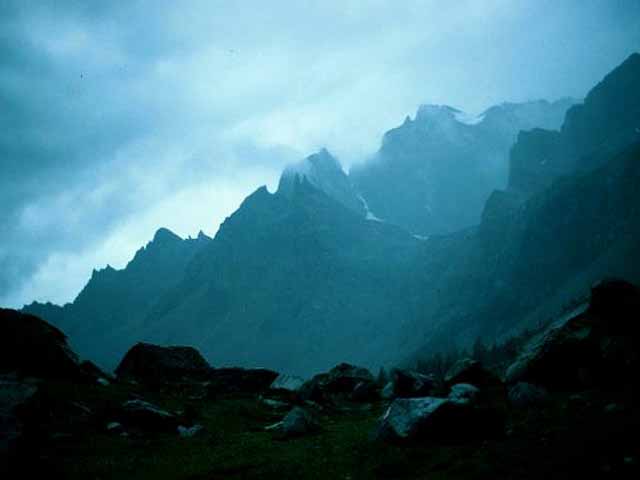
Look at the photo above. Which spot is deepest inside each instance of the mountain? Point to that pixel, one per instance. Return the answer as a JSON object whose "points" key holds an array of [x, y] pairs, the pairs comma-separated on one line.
{"points": [[569, 216], [433, 173], [105, 312], [607, 121], [323, 171], [298, 279], [292, 282], [283, 274]]}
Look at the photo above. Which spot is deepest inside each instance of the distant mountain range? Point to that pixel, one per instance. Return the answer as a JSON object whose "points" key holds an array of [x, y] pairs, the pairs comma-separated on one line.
{"points": [[456, 228], [433, 174]]}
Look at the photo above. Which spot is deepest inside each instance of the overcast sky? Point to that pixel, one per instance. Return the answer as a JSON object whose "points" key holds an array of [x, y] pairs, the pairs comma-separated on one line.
{"points": [[117, 118]]}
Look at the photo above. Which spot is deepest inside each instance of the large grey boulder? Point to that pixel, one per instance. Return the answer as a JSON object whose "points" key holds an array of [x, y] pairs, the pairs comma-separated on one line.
{"points": [[340, 383], [149, 363], [464, 393], [288, 383], [409, 418], [296, 423], [454, 419]]}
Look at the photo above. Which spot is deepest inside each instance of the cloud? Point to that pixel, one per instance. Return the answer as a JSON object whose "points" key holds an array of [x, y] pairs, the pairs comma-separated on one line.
{"points": [[120, 117]]}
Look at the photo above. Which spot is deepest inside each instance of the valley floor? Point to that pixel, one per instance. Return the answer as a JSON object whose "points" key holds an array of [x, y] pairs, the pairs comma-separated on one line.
{"points": [[591, 433]]}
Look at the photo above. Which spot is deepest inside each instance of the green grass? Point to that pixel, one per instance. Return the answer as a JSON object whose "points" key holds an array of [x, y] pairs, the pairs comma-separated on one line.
{"points": [[235, 445]]}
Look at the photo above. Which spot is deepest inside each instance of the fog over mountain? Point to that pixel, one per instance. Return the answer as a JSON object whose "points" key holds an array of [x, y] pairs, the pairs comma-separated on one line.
{"points": [[111, 130]]}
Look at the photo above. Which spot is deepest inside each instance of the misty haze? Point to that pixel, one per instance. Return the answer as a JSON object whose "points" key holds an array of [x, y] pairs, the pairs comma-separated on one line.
{"points": [[333, 240]]}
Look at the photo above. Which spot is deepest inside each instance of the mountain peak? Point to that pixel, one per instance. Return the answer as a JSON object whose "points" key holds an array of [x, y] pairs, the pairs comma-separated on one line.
{"points": [[164, 235], [322, 171], [430, 112]]}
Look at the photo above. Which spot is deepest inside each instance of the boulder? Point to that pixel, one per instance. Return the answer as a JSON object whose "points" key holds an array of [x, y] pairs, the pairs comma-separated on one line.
{"points": [[472, 372], [344, 377], [436, 419], [408, 383], [188, 432], [593, 346], [464, 393], [408, 418], [338, 384], [147, 363], [147, 417], [525, 395], [240, 380], [30, 346], [296, 423], [365, 392], [554, 358], [289, 383]]}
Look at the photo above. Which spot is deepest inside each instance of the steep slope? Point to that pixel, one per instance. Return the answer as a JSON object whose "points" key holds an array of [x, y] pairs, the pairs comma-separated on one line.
{"points": [[103, 314], [608, 120], [292, 282], [570, 216], [433, 173]]}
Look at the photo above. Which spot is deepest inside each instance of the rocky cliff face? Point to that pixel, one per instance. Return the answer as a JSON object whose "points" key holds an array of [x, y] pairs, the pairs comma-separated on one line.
{"points": [[323, 171], [297, 279], [433, 173], [107, 310], [607, 121]]}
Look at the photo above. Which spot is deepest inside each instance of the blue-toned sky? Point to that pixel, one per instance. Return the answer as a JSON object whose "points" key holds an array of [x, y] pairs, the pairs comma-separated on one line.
{"points": [[118, 117]]}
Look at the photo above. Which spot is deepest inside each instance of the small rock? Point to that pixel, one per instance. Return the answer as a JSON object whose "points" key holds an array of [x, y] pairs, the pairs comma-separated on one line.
{"points": [[188, 432], [276, 404], [115, 427], [464, 393], [147, 416]]}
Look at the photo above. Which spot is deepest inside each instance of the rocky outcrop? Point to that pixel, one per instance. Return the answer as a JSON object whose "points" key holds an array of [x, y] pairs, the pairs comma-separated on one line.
{"points": [[105, 318], [32, 347], [411, 181], [149, 363], [454, 419], [343, 382], [604, 123], [288, 383], [324, 172], [472, 372], [408, 383], [595, 347]]}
